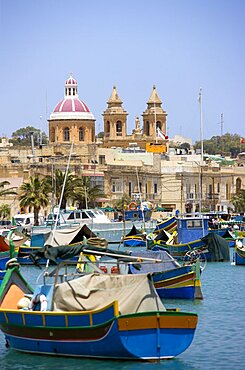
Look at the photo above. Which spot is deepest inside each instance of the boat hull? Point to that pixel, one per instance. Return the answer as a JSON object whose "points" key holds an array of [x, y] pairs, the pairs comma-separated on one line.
{"points": [[180, 283], [239, 256], [151, 336]]}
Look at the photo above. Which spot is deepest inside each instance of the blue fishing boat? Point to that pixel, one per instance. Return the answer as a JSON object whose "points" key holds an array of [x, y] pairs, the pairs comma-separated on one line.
{"points": [[95, 316], [239, 253], [169, 224], [135, 238], [179, 250], [212, 248]]}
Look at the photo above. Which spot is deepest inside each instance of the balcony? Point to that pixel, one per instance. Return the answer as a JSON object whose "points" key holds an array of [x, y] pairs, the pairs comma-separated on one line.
{"points": [[212, 196]]}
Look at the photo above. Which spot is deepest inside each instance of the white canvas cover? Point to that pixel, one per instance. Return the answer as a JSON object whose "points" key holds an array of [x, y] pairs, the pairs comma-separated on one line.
{"points": [[61, 236], [134, 293]]}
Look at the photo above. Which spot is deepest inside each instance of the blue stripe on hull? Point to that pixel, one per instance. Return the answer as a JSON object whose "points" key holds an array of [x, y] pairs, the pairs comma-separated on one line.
{"points": [[179, 293], [133, 344], [238, 259]]}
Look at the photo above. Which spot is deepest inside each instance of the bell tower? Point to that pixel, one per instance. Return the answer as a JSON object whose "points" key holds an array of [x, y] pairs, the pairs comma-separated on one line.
{"points": [[115, 119], [154, 116]]}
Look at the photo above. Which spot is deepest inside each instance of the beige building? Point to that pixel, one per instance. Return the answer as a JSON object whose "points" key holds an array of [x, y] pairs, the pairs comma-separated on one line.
{"points": [[120, 163]]}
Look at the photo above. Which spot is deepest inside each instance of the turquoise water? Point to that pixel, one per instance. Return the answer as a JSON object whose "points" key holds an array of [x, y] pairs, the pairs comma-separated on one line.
{"points": [[219, 342]]}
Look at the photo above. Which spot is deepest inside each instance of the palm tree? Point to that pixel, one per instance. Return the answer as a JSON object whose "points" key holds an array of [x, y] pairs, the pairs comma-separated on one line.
{"points": [[34, 194], [5, 211], [238, 201], [8, 191], [86, 194], [56, 183]]}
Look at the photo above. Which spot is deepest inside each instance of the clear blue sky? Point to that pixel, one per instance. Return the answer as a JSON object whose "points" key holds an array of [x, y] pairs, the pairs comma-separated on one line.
{"points": [[178, 45]]}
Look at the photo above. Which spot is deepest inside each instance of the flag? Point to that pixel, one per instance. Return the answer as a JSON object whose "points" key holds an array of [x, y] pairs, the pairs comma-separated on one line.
{"points": [[242, 140], [161, 134]]}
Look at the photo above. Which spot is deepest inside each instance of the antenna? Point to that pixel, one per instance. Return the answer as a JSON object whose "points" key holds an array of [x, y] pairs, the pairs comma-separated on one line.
{"points": [[155, 116], [201, 122]]}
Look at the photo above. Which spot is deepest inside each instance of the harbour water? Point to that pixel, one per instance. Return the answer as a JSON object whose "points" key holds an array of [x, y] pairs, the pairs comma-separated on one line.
{"points": [[219, 342]]}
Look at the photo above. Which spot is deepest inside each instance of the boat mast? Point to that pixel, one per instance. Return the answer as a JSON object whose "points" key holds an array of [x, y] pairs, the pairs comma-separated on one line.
{"points": [[61, 197]]}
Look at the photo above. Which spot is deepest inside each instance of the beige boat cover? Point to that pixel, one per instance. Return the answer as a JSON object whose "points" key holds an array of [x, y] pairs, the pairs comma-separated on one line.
{"points": [[67, 235], [134, 293]]}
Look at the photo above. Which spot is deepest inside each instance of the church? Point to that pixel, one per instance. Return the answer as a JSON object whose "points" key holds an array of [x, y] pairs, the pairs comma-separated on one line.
{"points": [[72, 120]]}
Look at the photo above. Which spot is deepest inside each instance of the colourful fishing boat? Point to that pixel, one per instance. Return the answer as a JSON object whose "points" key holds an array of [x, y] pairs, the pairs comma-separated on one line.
{"points": [[239, 253], [170, 279], [179, 250], [135, 238], [95, 316], [211, 247], [170, 225]]}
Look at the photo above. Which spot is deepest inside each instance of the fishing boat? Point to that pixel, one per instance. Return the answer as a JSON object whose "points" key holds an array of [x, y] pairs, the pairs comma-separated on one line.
{"points": [[179, 250], [171, 279], [68, 238], [169, 224], [239, 253], [135, 238], [96, 316], [15, 236], [212, 248]]}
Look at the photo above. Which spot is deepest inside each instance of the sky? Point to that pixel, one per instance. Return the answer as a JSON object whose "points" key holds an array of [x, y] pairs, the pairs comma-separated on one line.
{"points": [[178, 45]]}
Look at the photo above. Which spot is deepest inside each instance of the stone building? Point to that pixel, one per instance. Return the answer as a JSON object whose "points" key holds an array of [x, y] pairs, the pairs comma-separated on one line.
{"points": [[71, 119], [122, 162]]}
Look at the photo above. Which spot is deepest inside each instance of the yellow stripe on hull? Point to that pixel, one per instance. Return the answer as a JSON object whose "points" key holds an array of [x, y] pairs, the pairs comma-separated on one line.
{"points": [[155, 322]]}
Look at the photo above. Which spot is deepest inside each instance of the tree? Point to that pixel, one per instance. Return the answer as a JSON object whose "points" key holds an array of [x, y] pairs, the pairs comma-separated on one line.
{"points": [[8, 191], [86, 194], [101, 134], [5, 211], [122, 202], [23, 136], [34, 194], [72, 182], [226, 144], [238, 201]]}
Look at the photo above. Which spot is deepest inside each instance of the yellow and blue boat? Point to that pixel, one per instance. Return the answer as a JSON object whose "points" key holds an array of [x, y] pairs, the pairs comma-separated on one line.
{"points": [[96, 316]]}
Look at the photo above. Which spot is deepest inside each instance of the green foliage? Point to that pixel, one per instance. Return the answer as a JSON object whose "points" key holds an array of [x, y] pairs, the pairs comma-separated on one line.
{"points": [[239, 201], [56, 184], [22, 136], [122, 202], [79, 190], [8, 191], [85, 194], [227, 144], [5, 211], [35, 194], [185, 146], [101, 134]]}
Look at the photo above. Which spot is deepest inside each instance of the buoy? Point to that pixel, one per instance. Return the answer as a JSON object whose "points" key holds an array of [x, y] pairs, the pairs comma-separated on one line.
{"points": [[132, 206]]}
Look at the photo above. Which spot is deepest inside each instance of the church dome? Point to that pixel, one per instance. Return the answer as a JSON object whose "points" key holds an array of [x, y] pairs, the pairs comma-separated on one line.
{"points": [[71, 107]]}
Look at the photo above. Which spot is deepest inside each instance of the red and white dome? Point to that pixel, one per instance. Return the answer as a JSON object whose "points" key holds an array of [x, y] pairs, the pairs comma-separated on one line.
{"points": [[71, 107]]}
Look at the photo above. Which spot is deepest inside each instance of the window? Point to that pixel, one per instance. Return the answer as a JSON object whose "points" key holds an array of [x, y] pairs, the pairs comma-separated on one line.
{"points": [[129, 189], [81, 134], [84, 215], [147, 128], [119, 128], [52, 135], [101, 159], [71, 216], [116, 186], [108, 126], [155, 188], [159, 125], [218, 187], [66, 134], [78, 215]]}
